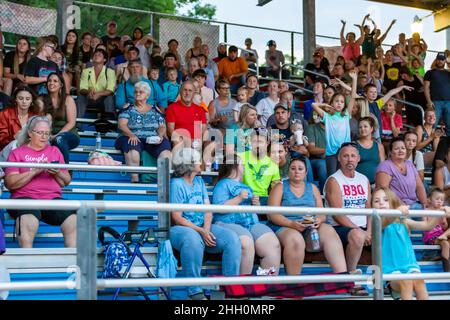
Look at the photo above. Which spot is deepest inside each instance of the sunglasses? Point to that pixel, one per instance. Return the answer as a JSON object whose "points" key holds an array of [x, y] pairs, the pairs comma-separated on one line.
{"points": [[349, 144], [298, 158], [261, 131]]}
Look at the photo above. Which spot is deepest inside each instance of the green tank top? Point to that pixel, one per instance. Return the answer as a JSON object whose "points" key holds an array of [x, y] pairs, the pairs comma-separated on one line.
{"points": [[59, 123], [370, 159]]}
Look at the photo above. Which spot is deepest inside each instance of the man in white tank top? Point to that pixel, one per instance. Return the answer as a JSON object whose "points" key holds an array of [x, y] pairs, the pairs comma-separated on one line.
{"points": [[350, 189]]}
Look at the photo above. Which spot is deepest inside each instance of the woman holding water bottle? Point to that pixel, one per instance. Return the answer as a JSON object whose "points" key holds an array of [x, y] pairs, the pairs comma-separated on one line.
{"points": [[298, 233], [254, 236]]}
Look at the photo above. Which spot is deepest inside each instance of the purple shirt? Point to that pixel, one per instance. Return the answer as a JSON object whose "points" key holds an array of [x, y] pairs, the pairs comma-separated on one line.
{"points": [[403, 185], [2, 240]]}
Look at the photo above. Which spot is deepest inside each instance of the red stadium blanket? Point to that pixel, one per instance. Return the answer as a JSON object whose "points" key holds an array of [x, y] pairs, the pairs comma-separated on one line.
{"points": [[293, 291]]}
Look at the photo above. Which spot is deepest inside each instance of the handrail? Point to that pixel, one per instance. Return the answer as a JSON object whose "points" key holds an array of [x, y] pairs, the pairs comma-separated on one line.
{"points": [[172, 207], [87, 216], [301, 88], [412, 105], [90, 168], [246, 50], [130, 283], [328, 78], [79, 167], [306, 70], [86, 120], [38, 285], [214, 281]]}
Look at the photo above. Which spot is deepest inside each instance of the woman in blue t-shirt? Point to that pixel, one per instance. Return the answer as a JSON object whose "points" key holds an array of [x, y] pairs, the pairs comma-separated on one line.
{"points": [[193, 233], [254, 236], [294, 230]]}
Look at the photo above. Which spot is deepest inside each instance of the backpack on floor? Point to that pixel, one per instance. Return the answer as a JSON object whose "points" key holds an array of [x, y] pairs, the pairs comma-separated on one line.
{"points": [[116, 253]]}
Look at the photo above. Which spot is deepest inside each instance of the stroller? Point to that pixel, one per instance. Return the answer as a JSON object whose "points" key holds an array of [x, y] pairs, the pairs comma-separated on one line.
{"points": [[124, 250]]}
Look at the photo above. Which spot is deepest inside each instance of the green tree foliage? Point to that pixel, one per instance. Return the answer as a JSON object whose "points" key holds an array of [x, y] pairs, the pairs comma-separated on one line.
{"points": [[95, 19]]}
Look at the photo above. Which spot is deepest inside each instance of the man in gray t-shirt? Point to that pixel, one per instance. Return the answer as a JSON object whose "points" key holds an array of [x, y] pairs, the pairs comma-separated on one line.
{"points": [[274, 59]]}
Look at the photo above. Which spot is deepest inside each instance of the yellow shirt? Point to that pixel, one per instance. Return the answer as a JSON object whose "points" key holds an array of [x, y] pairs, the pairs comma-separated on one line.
{"points": [[103, 82]]}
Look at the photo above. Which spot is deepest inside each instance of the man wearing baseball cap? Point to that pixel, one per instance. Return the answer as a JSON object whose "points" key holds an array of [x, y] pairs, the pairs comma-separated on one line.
{"points": [[274, 59], [437, 91], [111, 33], [232, 69]]}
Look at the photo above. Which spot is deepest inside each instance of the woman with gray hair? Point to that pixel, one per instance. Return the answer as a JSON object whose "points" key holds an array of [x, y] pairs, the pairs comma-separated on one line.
{"points": [[143, 128], [38, 184], [193, 232]]}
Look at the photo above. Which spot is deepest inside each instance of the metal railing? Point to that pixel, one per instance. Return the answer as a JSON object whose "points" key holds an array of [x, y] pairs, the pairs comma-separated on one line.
{"points": [[89, 209], [80, 167], [416, 106], [87, 240], [295, 66]]}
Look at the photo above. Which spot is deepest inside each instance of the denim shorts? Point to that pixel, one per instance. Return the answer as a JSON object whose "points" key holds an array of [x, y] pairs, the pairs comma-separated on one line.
{"points": [[154, 150], [255, 232]]}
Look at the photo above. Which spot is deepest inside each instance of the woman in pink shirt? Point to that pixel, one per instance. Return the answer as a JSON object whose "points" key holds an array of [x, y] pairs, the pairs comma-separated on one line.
{"points": [[38, 184], [351, 48]]}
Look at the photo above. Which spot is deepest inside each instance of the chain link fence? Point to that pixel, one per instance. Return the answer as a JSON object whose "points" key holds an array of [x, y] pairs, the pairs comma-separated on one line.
{"points": [[163, 27], [94, 18], [24, 20]]}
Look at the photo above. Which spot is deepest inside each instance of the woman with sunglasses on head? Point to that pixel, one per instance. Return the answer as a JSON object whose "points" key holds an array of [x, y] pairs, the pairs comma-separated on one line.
{"points": [[15, 117], [40, 67], [260, 172], [370, 151], [293, 231], [62, 111], [255, 237], [38, 184], [237, 138]]}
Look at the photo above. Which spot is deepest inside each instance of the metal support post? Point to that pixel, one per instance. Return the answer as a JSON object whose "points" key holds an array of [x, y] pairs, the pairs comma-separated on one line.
{"points": [[225, 32], [378, 292], [87, 252], [447, 32], [163, 192], [292, 48], [309, 30], [152, 21], [62, 17]]}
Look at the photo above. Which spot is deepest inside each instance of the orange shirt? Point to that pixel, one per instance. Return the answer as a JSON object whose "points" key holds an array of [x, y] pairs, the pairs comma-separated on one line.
{"points": [[228, 68], [10, 125]]}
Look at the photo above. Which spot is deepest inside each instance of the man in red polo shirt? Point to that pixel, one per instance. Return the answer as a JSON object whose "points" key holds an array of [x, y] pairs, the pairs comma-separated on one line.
{"points": [[186, 120]]}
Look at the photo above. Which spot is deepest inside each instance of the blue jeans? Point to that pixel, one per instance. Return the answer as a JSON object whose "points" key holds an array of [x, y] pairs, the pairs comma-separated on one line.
{"points": [[65, 142], [415, 206], [442, 109], [191, 246], [319, 167]]}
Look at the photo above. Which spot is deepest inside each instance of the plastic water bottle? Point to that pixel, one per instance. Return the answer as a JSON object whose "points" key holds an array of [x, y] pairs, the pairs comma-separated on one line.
{"points": [[215, 165], [98, 141], [315, 243]]}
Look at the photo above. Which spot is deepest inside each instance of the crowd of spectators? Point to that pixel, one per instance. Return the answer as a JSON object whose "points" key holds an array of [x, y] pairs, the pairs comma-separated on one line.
{"points": [[200, 109]]}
